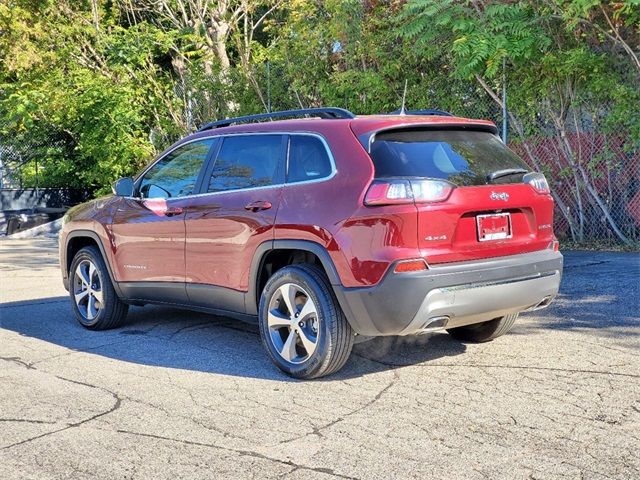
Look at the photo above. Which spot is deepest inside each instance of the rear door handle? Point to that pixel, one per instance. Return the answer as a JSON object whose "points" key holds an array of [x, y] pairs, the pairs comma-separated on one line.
{"points": [[172, 211], [259, 205]]}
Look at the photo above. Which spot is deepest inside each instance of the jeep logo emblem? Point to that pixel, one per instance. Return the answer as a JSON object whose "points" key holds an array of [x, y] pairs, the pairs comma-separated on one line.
{"points": [[499, 196]]}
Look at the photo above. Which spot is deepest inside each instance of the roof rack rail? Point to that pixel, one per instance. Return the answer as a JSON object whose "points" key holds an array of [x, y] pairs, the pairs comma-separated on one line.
{"points": [[423, 112], [328, 112]]}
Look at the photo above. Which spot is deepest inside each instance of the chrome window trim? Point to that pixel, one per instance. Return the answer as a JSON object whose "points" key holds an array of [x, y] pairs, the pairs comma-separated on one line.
{"points": [[333, 173], [332, 161]]}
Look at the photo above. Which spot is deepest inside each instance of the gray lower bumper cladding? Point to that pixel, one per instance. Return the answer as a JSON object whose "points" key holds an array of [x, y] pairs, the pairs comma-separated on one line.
{"points": [[453, 295]]}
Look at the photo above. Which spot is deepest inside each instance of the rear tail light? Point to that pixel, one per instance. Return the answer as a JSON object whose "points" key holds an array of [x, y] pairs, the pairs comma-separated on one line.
{"points": [[554, 245], [411, 266], [429, 191], [395, 191], [389, 192], [537, 181]]}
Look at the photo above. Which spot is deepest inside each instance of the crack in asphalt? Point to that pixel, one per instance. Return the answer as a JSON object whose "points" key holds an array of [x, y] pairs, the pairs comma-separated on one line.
{"points": [[118, 403], [628, 351], [73, 352], [189, 328], [317, 430], [19, 361], [26, 420], [27, 303], [113, 408], [31, 365], [244, 453], [286, 474], [172, 414], [508, 367]]}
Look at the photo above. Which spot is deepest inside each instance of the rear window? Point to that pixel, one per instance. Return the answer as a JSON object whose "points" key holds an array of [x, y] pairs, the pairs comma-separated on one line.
{"points": [[308, 159], [461, 157]]}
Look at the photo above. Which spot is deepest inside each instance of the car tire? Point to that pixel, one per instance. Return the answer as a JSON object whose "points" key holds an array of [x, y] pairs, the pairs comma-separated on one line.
{"points": [[95, 302], [485, 331], [315, 339]]}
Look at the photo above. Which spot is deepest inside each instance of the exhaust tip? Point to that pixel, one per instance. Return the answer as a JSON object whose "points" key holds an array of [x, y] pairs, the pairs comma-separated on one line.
{"points": [[545, 302], [434, 323]]}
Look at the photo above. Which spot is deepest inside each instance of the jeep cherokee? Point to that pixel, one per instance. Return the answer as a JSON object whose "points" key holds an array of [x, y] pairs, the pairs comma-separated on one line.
{"points": [[324, 227]]}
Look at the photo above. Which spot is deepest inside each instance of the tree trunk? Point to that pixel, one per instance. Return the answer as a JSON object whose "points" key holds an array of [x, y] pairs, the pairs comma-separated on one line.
{"points": [[588, 184], [218, 32]]}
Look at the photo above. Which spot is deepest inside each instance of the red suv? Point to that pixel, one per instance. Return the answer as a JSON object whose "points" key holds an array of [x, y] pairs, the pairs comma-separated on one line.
{"points": [[323, 228]]}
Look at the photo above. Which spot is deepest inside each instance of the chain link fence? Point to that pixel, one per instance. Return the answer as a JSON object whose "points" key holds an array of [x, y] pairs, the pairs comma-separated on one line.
{"points": [[593, 169], [595, 182]]}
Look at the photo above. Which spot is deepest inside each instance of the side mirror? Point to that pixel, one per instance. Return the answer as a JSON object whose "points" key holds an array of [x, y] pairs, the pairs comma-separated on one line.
{"points": [[123, 187]]}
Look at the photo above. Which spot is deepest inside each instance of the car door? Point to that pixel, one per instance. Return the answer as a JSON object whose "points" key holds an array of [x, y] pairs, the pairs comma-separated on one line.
{"points": [[148, 229], [234, 213]]}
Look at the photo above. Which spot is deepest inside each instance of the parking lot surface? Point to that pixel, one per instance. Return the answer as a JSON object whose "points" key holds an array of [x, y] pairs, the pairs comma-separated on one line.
{"points": [[175, 394]]}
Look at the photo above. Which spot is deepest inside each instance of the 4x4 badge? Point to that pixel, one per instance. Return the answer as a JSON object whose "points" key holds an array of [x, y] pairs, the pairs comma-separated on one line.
{"points": [[499, 196]]}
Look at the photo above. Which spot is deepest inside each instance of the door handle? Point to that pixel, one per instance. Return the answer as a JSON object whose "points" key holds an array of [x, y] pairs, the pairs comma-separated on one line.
{"points": [[172, 211], [259, 205]]}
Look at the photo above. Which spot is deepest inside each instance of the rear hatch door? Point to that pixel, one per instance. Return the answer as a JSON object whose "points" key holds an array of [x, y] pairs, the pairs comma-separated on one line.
{"points": [[490, 212]]}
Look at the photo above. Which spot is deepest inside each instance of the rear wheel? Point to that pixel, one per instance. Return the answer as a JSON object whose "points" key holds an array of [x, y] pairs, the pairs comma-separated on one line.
{"points": [[485, 331], [95, 302], [302, 326]]}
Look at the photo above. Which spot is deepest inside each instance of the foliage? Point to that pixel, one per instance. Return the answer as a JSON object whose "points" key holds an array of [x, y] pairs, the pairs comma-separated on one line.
{"points": [[95, 88], [480, 38], [98, 94], [576, 73]]}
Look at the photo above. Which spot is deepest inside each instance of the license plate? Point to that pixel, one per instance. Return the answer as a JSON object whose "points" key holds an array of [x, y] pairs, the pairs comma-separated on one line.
{"points": [[494, 226]]}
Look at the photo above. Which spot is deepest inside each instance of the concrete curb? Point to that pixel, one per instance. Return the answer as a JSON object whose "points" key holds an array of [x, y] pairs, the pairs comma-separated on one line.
{"points": [[50, 229]]}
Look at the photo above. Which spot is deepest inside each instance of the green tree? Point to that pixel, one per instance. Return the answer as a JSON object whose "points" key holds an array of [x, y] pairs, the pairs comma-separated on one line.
{"points": [[74, 78], [560, 78]]}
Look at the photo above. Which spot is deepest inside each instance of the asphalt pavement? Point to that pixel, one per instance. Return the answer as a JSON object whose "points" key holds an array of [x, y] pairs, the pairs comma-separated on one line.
{"points": [[175, 394]]}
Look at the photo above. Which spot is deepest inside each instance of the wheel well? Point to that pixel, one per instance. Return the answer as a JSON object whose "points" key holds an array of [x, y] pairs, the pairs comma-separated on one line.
{"points": [[75, 244], [274, 260]]}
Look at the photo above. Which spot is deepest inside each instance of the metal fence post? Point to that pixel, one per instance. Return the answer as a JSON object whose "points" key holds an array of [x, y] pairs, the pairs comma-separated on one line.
{"points": [[504, 103], [268, 87]]}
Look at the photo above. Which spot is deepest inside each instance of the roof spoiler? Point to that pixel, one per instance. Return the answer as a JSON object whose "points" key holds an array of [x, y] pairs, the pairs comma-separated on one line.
{"points": [[366, 139], [431, 111]]}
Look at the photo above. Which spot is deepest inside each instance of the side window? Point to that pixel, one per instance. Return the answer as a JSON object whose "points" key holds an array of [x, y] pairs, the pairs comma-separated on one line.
{"points": [[308, 159], [176, 174], [247, 161]]}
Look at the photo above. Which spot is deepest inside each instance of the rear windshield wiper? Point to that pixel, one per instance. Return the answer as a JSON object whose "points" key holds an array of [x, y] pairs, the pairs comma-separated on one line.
{"points": [[505, 173]]}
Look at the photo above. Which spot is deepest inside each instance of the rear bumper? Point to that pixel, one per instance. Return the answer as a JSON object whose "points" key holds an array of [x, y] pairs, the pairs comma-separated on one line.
{"points": [[453, 295]]}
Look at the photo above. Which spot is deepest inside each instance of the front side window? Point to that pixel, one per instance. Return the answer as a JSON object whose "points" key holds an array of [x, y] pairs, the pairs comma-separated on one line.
{"points": [[247, 161], [308, 159], [175, 175]]}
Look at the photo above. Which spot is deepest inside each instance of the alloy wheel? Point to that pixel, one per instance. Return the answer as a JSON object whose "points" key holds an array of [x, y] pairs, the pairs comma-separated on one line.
{"points": [[87, 290], [293, 323]]}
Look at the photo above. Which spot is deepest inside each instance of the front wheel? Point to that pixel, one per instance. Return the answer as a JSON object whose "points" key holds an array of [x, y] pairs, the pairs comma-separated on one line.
{"points": [[485, 331], [302, 326], [95, 302]]}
